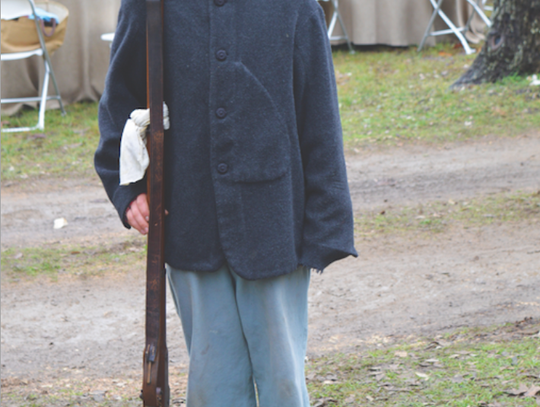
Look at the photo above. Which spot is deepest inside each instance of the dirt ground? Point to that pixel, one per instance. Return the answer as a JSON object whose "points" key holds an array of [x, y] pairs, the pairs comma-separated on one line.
{"points": [[401, 285]]}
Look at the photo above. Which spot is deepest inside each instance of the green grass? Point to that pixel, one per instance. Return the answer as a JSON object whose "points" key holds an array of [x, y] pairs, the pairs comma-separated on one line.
{"points": [[66, 147], [472, 367], [51, 260], [478, 367], [439, 216], [394, 96], [387, 95]]}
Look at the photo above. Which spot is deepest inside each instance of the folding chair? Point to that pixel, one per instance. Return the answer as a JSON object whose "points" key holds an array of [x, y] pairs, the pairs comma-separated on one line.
{"points": [[457, 31], [12, 9], [336, 16]]}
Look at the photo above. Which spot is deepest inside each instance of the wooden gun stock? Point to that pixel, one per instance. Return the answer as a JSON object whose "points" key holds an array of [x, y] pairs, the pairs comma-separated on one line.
{"points": [[155, 390]]}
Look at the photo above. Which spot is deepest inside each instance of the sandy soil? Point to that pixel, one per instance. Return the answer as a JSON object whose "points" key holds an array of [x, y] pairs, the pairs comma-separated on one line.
{"points": [[413, 284]]}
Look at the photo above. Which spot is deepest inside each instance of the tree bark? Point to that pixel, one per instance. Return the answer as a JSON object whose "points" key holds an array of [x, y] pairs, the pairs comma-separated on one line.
{"points": [[512, 44]]}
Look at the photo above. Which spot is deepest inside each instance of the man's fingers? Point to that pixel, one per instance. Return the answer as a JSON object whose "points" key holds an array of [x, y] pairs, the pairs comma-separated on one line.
{"points": [[137, 214], [140, 219], [135, 220], [142, 204]]}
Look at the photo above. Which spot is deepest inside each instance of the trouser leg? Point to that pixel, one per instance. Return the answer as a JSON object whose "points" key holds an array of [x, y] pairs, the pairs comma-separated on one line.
{"points": [[220, 372], [274, 320], [237, 330]]}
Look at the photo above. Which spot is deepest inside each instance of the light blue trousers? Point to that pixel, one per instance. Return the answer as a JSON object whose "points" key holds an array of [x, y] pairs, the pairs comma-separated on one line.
{"points": [[241, 334]]}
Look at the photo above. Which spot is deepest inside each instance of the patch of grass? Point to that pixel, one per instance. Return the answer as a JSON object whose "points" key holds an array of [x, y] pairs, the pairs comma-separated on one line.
{"points": [[438, 216], [393, 96], [387, 95], [51, 260], [481, 367], [65, 147], [472, 367]]}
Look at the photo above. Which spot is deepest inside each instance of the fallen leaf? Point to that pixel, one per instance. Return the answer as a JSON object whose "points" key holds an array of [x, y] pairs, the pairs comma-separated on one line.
{"points": [[412, 382], [533, 390], [422, 375], [497, 110], [98, 395], [530, 332], [518, 392], [324, 402], [377, 375], [401, 354]]}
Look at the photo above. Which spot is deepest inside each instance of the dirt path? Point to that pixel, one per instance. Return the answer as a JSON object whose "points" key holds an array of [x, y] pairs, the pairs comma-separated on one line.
{"points": [[398, 176], [413, 284], [418, 174]]}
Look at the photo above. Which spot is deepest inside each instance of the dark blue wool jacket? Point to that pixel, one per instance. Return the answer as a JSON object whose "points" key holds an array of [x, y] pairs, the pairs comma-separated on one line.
{"points": [[255, 172]]}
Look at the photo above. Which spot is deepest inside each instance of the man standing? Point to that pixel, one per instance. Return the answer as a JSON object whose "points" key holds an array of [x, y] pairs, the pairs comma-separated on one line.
{"points": [[256, 187]]}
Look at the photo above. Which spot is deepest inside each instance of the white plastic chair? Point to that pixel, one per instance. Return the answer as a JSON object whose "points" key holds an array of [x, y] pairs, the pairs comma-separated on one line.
{"points": [[12, 9], [336, 16], [457, 31]]}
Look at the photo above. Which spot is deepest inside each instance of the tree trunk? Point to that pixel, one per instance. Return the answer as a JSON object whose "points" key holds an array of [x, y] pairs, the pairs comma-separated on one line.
{"points": [[512, 45]]}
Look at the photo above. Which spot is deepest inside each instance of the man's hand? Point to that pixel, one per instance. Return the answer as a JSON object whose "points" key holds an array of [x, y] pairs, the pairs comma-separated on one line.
{"points": [[137, 214]]}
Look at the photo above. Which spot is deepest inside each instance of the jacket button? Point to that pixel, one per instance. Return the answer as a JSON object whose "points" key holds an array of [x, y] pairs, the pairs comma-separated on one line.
{"points": [[222, 168], [221, 113], [221, 55], [219, 3]]}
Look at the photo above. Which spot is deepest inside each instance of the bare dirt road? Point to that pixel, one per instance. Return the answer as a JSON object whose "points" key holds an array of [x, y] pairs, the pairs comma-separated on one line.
{"points": [[402, 284]]}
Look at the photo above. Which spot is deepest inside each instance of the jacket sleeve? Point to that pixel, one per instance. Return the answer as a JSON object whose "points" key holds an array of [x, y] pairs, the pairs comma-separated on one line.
{"points": [[328, 232], [125, 90]]}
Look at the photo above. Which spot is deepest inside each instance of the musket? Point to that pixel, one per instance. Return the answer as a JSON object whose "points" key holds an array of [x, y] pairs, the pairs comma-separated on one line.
{"points": [[155, 389]]}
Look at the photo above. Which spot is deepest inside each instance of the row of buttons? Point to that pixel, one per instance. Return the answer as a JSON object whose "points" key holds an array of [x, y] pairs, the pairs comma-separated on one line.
{"points": [[221, 55]]}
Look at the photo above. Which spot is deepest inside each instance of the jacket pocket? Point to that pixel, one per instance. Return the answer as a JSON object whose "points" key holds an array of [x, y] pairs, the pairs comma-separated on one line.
{"points": [[261, 140]]}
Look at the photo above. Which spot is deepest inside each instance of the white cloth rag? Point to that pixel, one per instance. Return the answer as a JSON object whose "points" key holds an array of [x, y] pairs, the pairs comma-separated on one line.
{"points": [[134, 158]]}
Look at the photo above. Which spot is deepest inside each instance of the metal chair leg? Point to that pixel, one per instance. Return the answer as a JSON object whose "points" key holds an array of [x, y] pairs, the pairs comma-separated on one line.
{"points": [[53, 77], [43, 103], [346, 35], [336, 17], [480, 12], [452, 28], [430, 24], [457, 33]]}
